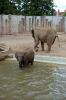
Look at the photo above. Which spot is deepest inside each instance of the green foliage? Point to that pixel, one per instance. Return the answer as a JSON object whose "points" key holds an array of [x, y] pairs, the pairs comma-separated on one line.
{"points": [[64, 14], [27, 7], [7, 7], [38, 7]]}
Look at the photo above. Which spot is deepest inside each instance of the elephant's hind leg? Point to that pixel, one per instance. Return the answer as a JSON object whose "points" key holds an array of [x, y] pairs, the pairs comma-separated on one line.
{"points": [[31, 62], [49, 48], [42, 46]]}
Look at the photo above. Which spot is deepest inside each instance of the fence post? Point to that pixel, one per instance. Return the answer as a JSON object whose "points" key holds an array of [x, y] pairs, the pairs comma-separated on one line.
{"points": [[2, 28], [6, 26], [10, 24], [32, 21], [35, 21], [25, 23]]}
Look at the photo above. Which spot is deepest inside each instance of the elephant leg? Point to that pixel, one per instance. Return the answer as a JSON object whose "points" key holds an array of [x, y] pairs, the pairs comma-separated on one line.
{"points": [[36, 46], [42, 46], [49, 48], [20, 64], [26, 62], [32, 61]]}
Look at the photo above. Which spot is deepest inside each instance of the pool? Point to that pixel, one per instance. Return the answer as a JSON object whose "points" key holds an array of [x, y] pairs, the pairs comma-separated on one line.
{"points": [[42, 81]]}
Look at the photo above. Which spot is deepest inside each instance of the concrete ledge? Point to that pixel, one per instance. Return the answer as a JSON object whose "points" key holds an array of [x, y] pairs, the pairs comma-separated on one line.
{"points": [[50, 59], [47, 59]]}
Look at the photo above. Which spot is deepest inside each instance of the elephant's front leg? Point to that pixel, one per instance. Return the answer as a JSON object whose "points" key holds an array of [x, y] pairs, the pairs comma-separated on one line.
{"points": [[32, 60], [20, 64], [42, 46], [36, 45]]}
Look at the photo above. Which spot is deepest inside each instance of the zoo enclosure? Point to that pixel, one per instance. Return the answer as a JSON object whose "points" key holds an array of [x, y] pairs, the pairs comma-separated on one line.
{"points": [[13, 24]]}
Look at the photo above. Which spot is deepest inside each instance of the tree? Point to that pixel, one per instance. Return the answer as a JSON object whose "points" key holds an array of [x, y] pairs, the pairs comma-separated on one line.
{"points": [[64, 14], [27, 7], [8, 7], [38, 7]]}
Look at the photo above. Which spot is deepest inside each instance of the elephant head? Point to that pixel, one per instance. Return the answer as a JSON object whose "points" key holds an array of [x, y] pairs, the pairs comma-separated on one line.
{"points": [[20, 58], [25, 57]]}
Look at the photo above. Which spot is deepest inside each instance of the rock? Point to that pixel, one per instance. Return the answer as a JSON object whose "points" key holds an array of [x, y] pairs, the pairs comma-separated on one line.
{"points": [[4, 51], [3, 47], [3, 56]]}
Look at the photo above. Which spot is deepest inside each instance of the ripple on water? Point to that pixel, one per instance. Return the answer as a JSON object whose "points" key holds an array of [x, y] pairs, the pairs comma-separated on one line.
{"points": [[38, 82]]}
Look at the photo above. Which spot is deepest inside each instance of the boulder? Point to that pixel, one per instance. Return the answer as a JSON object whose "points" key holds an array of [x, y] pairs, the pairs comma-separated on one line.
{"points": [[4, 51], [3, 56]]}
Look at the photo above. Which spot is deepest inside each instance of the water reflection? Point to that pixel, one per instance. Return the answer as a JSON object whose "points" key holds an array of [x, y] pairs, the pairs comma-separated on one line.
{"points": [[38, 82]]}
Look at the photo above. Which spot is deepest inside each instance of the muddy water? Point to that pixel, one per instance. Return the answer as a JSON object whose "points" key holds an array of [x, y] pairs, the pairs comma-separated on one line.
{"points": [[38, 82]]}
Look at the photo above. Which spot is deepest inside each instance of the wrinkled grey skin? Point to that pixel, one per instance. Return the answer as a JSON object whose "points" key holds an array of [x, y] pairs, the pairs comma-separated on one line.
{"points": [[24, 58], [47, 36]]}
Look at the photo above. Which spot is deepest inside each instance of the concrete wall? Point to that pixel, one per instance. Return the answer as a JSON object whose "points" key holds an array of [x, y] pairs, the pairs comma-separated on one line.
{"points": [[13, 24]]}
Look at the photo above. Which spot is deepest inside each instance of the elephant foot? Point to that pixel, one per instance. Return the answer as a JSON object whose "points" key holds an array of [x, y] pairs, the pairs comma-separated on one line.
{"points": [[20, 67], [42, 49], [47, 51], [32, 63], [36, 49]]}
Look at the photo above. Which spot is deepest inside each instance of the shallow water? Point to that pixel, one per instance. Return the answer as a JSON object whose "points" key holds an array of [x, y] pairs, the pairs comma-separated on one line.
{"points": [[41, 81]]}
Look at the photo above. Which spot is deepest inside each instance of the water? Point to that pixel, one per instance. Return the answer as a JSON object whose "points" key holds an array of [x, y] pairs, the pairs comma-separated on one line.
{"points": [[41, 81]]}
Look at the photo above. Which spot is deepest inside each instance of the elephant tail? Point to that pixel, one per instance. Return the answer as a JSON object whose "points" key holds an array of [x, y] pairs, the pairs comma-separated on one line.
{"points": [[33, 34], [58, 40]]}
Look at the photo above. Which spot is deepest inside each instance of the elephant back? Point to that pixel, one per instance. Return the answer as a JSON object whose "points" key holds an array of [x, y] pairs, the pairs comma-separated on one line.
{"points": [[29, 53]]}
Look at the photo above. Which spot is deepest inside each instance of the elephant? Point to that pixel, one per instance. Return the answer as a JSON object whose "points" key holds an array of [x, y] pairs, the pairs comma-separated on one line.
{"points": [[45, 35], [25, 58]]}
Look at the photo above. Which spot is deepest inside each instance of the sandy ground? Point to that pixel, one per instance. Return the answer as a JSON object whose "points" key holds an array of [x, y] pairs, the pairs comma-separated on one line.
{"points": [[21, 42]]}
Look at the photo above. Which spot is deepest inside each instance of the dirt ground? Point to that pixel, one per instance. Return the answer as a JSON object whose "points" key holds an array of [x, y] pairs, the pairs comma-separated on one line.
{"points": [[21, 42]]}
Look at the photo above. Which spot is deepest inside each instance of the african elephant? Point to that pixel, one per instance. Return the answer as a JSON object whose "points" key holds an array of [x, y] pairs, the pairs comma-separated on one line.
{"points": [[25, 57], [46, 35]]}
